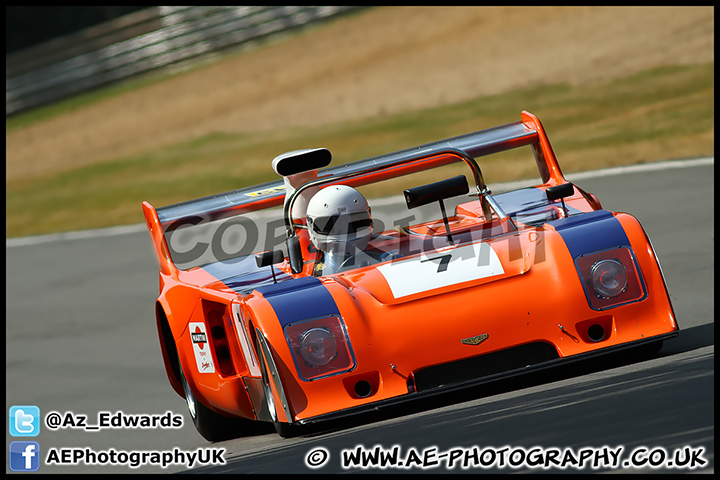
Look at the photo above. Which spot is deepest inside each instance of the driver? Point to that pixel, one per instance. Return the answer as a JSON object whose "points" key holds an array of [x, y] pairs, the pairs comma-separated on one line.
{"points": [[340, 224]]}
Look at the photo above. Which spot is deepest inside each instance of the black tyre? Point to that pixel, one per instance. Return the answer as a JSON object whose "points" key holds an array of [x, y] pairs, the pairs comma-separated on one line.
{"points": [[211, 425], [283, 429]]}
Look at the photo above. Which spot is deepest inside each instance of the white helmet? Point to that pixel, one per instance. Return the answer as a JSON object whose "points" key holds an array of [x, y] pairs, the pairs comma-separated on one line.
{"points": [[338, 219]]}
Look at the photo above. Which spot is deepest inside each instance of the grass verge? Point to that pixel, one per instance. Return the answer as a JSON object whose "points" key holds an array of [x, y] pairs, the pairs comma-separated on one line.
{"points": [[655, 115]]}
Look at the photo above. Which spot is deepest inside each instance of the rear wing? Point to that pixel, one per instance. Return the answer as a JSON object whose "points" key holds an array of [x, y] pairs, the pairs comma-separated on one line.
{"points": [[527, 131]]}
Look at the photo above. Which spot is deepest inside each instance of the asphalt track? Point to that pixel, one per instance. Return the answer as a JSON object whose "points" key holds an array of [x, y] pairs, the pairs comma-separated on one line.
{"points": [[81, 338]]}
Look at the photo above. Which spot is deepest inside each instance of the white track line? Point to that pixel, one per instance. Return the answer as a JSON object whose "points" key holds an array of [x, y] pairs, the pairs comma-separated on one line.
{"points": [[606, 172]]}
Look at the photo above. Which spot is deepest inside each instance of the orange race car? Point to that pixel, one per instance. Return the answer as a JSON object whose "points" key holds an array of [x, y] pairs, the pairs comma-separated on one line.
{"points": [[348, 316]]}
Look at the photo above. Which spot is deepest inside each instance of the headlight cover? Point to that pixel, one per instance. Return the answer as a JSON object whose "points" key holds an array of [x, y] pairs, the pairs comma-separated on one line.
{"points": [[610, 278], [320, 347]]}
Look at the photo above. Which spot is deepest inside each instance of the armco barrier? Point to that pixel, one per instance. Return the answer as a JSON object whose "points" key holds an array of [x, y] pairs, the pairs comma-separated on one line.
{"points": [[139, 43]]}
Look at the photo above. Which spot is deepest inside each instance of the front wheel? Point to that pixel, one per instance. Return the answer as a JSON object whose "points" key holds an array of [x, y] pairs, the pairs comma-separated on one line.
{"points": [[283, 429], [211, 425]]}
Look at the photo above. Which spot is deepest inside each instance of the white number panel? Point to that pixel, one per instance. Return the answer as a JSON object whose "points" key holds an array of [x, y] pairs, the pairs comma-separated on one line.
{"points": [[441, 268]]}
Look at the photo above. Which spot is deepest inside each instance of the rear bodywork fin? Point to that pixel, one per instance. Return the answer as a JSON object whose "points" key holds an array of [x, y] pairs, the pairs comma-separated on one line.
{"points": [[160, 246]]}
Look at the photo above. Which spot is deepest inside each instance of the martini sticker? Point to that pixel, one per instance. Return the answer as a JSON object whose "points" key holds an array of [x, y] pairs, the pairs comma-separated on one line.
{"points": [[201, 348]]}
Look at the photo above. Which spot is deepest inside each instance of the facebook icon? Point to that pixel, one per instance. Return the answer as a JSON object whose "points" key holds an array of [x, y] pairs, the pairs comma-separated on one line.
{"points": [[24, 456]]}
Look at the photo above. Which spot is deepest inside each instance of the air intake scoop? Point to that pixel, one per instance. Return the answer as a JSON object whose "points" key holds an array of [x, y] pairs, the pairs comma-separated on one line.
{"points": [[300, 161], [298, 167]]}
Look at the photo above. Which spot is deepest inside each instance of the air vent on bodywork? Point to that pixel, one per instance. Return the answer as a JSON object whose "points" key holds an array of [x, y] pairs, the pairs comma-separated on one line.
{"points": [[219, 339]]}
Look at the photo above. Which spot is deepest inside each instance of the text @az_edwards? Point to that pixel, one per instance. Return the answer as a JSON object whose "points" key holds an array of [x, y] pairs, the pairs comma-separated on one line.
{"points": [[112, 420]]}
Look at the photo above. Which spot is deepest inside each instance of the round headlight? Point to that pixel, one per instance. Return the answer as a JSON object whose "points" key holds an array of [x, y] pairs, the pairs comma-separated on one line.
{"points": [[318, 346], [609, 278]]}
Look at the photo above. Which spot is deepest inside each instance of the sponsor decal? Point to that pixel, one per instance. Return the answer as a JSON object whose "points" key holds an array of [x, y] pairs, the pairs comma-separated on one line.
{"points": [[201, 348], [265, 191]]}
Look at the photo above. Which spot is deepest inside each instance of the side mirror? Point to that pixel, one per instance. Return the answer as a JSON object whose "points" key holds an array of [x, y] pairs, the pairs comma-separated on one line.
{"points": [[560, 192], [294, 253], [437, 192], [269, 258], [433, 192]]}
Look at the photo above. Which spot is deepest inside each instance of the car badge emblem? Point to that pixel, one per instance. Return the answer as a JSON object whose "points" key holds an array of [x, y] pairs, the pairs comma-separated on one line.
{"points": [[476, 340]]}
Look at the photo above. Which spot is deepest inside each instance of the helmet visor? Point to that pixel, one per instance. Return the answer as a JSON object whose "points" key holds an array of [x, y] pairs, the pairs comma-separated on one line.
{"points": [[340, 224]]}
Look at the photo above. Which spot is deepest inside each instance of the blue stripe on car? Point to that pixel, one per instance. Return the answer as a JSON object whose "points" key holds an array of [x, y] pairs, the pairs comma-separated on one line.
{"points": [[590, 232], [299, 299], [250, 276]]}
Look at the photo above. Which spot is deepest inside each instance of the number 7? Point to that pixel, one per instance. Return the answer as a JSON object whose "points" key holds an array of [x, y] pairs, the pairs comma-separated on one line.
{"points": [[444, 261]]}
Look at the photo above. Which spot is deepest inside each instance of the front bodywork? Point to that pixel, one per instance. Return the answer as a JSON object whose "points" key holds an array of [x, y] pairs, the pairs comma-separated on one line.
{"points": [[512, 286]]}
